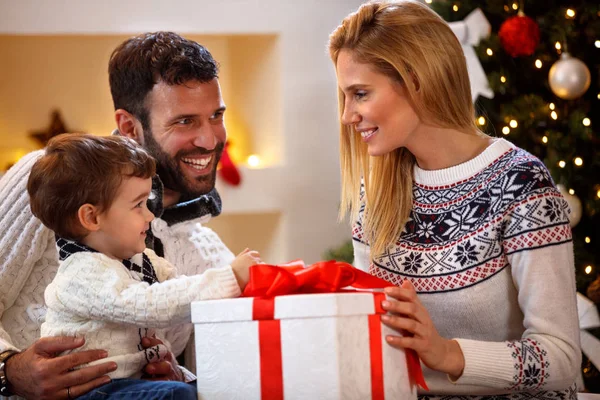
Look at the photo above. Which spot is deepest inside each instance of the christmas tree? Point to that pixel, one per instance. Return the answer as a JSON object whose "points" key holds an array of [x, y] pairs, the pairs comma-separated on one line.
{"points": [[542, 64]]}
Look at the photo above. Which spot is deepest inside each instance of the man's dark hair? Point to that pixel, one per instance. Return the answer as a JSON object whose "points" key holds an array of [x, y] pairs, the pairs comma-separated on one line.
{"points": [[142, 61]]}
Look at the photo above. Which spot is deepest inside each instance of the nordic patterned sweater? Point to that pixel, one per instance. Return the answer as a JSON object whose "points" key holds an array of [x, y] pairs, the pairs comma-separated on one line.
{"points": [[488, 248]]}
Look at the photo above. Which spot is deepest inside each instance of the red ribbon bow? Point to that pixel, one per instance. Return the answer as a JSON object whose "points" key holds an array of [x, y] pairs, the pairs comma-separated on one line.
{"points": [[322, 277]]}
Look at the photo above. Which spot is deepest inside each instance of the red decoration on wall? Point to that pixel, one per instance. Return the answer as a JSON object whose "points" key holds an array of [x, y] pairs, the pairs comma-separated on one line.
{"points": [[519, 35], [229, 171]]}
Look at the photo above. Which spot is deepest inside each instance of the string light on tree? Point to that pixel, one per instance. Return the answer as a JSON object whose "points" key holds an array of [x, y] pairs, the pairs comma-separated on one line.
{"points": [[562, 164], [513, 123], [428, 1], [506, 130], [557, 46], [503, 79], [515, 6], [455, 7], [545, 139], [552, 106], [588, 240], [597, 44], [578, 161], [554, 115], [570, 13], [489, 52], [588, 269], [586, 122], [571, 192], [538, 63], [481, 121]]}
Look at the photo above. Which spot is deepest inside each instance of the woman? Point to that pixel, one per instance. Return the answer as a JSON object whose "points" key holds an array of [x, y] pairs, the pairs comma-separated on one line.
{"points": [[471, 228]]}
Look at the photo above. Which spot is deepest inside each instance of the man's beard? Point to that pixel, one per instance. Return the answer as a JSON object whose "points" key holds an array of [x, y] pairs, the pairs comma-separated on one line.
{"points": [[170, 173]]}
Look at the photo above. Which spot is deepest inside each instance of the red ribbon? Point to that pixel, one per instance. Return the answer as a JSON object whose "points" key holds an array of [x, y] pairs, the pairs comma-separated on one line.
{"points": [[267, 281]]}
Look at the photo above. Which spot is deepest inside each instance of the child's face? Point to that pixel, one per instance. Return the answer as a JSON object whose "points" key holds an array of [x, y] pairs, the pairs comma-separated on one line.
{"points": [[123, 226]]}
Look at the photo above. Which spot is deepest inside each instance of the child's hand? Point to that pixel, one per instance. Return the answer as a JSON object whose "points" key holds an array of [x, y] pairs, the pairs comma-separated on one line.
{"points": [[241, 265]]}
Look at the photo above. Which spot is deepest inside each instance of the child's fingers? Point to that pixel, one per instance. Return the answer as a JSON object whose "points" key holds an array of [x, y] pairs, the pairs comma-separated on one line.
{"points": [[244, 252]]}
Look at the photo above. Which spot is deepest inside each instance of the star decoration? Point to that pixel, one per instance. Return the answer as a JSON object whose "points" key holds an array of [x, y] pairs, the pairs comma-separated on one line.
{"points": [[57, 126]]}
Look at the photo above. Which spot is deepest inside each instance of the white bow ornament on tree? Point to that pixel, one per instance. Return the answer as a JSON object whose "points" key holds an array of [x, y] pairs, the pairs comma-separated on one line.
{"points": [[469, 32]]}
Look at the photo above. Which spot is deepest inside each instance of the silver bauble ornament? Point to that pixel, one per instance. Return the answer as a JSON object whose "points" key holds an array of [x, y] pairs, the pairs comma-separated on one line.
{"points": [[574, 204], [569, 77]]}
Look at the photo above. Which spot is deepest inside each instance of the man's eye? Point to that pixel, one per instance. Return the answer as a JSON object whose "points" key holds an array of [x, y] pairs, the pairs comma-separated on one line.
{"points": [[185, 121], [218, 115]]}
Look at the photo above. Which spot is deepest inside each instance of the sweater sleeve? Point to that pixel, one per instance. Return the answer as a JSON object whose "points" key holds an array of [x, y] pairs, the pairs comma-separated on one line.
{"points": [[93, 286], [23, 237], [537, 243]]}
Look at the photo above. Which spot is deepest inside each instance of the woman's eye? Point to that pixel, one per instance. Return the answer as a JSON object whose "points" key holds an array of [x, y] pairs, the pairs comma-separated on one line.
{"points": [[360, 95]]}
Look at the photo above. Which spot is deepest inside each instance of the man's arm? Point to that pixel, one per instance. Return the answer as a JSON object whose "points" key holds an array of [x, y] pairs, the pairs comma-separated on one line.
{"points": [[23, 238]]}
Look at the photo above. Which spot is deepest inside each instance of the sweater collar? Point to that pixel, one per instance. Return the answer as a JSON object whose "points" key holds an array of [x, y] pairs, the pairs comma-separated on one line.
{"points": [[466, 170], [139, 263]]}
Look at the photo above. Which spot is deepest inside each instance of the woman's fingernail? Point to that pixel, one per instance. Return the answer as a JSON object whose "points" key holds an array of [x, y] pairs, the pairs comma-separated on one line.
{"points": [[385, 318], [385, 303]]}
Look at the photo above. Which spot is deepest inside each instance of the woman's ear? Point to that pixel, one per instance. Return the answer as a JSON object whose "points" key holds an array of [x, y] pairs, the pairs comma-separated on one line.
{"points": [[129, 126], [88, 217]]}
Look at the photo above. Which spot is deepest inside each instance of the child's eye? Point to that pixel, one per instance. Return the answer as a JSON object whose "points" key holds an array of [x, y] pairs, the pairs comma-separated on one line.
{"points": [[140, 204]]}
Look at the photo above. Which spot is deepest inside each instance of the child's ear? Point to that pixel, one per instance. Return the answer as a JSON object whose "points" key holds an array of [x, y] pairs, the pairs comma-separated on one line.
{"points": [[88, 217], [129, 126]]}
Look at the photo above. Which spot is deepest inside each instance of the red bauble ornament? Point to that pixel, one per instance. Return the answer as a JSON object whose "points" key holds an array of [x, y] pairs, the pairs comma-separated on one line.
{"points": [[519, 35], [229, 171]]}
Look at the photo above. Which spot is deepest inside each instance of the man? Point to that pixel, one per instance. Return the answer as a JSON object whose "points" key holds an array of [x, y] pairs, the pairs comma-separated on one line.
{"points": [[167, 97]]}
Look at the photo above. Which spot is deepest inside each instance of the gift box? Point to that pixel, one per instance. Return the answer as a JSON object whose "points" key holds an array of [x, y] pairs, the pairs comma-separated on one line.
{"points": [[324, 345]]}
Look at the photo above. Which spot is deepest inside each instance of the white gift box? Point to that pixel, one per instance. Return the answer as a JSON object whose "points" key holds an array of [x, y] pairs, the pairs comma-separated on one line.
{"points": [[317, 346]]}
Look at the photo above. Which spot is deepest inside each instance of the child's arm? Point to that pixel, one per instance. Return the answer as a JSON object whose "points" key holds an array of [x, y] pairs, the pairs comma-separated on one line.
{"points": [[90, 285]]}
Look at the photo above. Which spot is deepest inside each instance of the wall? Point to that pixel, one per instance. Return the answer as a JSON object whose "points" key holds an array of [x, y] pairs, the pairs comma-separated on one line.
{"points": [[301, 192]]}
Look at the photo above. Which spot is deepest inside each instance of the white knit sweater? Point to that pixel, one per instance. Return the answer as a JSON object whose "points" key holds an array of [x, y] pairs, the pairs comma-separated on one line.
{"points": [[488, 248], [29, 260], [97, 297]]}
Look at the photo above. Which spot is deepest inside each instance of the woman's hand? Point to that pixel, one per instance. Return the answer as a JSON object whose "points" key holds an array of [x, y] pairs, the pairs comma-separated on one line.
{"points": [[410, 318]]}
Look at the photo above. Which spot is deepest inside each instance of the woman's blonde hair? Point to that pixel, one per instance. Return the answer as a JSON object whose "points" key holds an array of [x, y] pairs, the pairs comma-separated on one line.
{"points": [[411, 44]]}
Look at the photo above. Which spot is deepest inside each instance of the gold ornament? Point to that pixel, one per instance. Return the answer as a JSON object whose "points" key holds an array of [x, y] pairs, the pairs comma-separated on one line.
{"points": [[593, 291], [569, 77]]}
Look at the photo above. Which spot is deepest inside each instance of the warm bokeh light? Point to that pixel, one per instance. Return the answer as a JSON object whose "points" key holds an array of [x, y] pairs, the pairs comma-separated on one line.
{"points": [[578, 161], [506, 130], [562, 164], [253, 161]]}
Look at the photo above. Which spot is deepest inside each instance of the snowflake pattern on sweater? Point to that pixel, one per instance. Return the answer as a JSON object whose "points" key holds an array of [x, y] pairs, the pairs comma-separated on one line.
{"points": [[462, 234], [458, 235]]}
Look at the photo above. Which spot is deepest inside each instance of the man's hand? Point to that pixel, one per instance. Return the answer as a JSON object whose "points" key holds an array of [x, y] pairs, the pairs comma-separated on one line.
{"points": [[161, 370], [37, 373]]}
